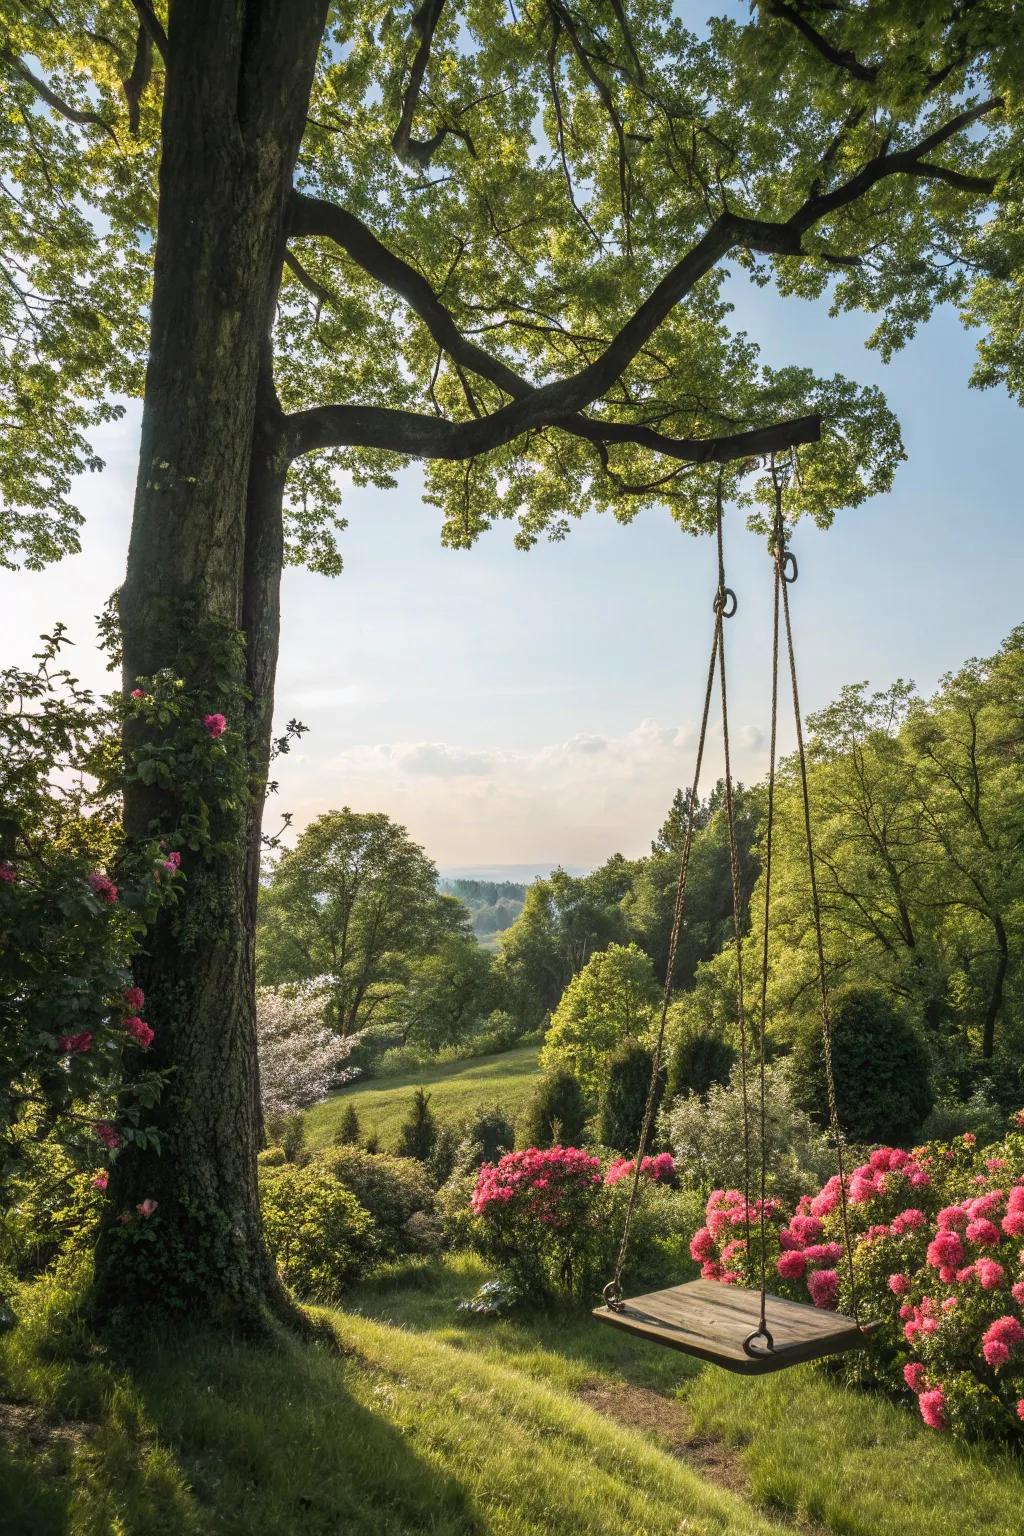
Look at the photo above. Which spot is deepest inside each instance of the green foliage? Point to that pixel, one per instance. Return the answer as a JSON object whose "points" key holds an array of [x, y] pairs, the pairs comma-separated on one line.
{"points": [[69, 932], [556, 1114], [611, 1000], [397, 1193], [419, 1129], [706, 1135], [620, 1118], [350, 1131], [879, 1064], [356, 903], [448, 991], [699, 1058], [317, 1232], [488, 1133]]}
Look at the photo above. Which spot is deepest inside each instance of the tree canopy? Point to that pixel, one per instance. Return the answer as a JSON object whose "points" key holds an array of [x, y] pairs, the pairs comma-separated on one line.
{"points": [[508, 243]]}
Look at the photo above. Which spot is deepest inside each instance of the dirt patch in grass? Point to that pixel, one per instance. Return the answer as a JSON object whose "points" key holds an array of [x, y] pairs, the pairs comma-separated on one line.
{"points": [[668, 1420], [21, 1424]]}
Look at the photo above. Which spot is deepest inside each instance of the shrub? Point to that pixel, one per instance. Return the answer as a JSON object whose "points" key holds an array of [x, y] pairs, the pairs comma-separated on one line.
{"points": [[937, 1258], [879, 1064], [540, 1220], [706, 1136], [396, 1191], [620, 1120], [699, 1059], [488, 1134], [555, 1112], [349, 1132], [419, 1130], [318, 1234]]}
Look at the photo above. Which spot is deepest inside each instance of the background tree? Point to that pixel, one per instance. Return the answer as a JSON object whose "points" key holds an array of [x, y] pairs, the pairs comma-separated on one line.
{"points": [[555, 1113], [610, 1001], [494, 244], [447, 993], [355, 902], [624, 1098]]}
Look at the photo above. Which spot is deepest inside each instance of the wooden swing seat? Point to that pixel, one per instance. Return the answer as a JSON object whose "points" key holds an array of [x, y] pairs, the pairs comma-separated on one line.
{"points": [[711, 1320]]}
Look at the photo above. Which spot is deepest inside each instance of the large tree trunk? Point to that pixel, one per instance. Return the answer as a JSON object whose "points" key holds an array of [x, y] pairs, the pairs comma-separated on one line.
{"points": [[995, 997], [201, 598]]}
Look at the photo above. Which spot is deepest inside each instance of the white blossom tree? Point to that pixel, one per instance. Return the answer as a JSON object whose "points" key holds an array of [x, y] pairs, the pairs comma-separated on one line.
{"points": [[301, 1058]]}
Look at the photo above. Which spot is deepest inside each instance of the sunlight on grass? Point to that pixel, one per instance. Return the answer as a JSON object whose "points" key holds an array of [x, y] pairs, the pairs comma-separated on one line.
{"points": [[455, 1089]]}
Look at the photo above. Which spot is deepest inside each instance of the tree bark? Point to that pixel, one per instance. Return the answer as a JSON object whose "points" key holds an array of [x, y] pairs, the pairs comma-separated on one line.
{"points": [[995, 999], [201, 597]]}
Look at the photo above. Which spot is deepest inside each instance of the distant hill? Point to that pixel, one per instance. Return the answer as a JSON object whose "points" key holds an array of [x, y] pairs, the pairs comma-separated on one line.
{"points": [[493, 905]]}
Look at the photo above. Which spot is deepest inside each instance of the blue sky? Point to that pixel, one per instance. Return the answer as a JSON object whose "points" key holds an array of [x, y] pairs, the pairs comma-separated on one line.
{"points": [[528, 709]]}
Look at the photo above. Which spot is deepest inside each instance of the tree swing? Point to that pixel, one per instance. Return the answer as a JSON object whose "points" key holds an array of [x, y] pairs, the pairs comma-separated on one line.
{"points": [[741, 1329]]}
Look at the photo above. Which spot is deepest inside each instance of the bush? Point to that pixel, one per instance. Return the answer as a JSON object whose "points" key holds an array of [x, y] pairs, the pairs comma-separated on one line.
{"points": [[879, 1064], [706, 1136], [937, 1259], [301, 1058], [396, 1191], [318, 1234], [620, 1120], [488, 1134], [699, 1059], [555, 1113], [349, 1132], [540, 1221], [419, 1130]]}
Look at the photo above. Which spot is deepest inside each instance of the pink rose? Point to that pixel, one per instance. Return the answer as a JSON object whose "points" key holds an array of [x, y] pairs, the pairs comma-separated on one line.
{"points": [[106, 1133], [172, 862], [139, 1031], [138, 693], [215, 725], [103, 889], [74, 1045], [134, 998], [146, 1208], [100, 1181]]}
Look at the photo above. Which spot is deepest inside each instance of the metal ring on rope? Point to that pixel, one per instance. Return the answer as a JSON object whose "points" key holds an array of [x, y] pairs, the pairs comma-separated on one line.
{"points": [[721, 603], [788, 564], [612, 1294], [758, 1333]]}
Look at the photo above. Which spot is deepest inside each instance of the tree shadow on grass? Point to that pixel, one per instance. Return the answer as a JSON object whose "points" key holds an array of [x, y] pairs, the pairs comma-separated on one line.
{"points": [[202, 1434]]}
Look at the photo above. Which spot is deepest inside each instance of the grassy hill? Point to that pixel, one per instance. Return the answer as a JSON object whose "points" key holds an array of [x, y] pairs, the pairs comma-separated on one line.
{"points": [[421, 1420], [455, 1089]]}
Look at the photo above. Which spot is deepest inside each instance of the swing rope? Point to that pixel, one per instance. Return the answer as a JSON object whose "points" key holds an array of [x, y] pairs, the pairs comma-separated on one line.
{"points": [[725, 605], [613, 1290]]}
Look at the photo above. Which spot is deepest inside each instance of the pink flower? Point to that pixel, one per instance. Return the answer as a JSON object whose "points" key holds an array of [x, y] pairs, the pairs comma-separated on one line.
{"points": [[7, 875], [138, 693], [1013, 1223], [899, 1285], [1000, 1339], [908, 1221], [823, 1253], [702, 1245], [711, 1271], [74, 1045], [1017, 1292], [106, 1133], [990, 1274], [823, 1285], [945, 1251], [139, 1030], [791, 1264], [172, 862], [933, 1408], [146, 1208], [100, 1181], [913, 1375], [994, 1164], [952, 1218], [983, 1232], [1018, 1119], [1020, 1409], [103, 889], [215, 725], [134, 998]]}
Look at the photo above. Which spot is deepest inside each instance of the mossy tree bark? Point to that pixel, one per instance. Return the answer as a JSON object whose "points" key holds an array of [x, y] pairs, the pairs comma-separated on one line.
{"points": [[201, 597]]}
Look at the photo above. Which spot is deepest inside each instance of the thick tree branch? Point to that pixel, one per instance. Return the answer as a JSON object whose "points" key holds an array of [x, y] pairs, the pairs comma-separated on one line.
{"points": [[424, 24], [134, 84], [560, 402], [842, 58], [153, 26], [429, 437]]}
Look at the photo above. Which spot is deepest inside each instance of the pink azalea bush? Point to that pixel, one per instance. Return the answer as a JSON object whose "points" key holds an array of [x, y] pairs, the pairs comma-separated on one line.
{"points": [[550, 1218], [938, 1256]]}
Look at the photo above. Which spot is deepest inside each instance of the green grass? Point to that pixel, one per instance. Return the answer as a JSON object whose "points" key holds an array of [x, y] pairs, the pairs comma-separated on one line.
{"points": [[455, 1089], [426, 1421], [401, 1433]]}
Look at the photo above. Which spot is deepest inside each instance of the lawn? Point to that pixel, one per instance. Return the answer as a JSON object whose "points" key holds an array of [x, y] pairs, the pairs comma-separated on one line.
{"points": [[422, 1420], [455, 1089]]}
